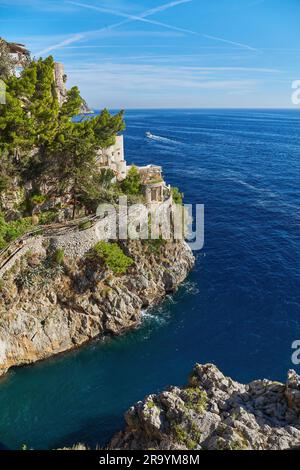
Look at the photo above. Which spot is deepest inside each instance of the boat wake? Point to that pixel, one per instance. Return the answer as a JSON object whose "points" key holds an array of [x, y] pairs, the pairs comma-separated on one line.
{"points": [[159, 138]]}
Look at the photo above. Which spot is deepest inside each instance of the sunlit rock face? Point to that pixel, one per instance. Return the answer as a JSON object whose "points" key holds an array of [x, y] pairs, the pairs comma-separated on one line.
{"points": [[214, 412], [46, 309]]}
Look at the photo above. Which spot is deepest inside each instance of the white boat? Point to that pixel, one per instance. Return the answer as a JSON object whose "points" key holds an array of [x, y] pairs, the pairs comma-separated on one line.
{"points": [[149, 135]]}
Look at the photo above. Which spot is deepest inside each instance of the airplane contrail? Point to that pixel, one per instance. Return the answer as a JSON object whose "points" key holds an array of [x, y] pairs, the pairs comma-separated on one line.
{"points": [[61, 44], [128, 19], [215, 38], [141, 17]]}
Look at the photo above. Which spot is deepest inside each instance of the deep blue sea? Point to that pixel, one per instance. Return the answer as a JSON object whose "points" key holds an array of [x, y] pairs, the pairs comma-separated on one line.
{"points": [[239, 308]]}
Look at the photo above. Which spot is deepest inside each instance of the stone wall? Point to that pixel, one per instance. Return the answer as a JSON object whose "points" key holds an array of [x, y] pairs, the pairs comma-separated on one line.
{"points": [[33, 244], [76, 243]]}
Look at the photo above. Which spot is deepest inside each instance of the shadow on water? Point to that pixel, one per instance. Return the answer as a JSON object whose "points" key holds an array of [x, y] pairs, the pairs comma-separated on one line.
{"points": [[93, 427], [3, 447]]}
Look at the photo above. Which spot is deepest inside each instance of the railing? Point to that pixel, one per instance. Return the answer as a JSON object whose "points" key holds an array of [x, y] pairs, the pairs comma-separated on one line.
{"points": [[7, 253]]}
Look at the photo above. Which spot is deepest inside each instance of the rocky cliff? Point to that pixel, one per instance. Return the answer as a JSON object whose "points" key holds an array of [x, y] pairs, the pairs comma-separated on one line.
{"points": [[213, 412], [49, 308]]}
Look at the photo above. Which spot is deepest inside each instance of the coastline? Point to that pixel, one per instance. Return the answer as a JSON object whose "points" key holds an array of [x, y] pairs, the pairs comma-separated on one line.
{"points": [[40, 322]]}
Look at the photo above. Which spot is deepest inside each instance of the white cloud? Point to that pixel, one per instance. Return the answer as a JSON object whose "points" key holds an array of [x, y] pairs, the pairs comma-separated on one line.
{"points": [[155, 78]]}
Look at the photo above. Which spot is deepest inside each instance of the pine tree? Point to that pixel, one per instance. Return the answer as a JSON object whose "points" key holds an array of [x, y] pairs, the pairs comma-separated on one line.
{"points": [[39, 139]]}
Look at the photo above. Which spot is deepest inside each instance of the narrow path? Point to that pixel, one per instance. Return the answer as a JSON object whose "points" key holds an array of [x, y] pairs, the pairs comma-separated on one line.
{"points": [[47, 231]]}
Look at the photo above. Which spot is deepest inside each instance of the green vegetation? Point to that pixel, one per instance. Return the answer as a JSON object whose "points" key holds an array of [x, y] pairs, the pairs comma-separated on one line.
{"points": [[40, 275], [132, 185], [51, 156], [85, 225], [177, 196], [155, 181], [48, 217], [38, 199], [150, 404], [196, 399], [154, 246], [113, 257], [183, 437], [9, 231], [59, 256], [106, 177], [39, 140]]}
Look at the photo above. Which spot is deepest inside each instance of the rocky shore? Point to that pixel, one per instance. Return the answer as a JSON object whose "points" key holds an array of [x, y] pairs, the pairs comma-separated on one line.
{"points": [[46, 310], [215, 413]]}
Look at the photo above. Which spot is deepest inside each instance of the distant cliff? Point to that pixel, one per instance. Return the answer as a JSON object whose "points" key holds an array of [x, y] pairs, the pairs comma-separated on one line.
{"points": [[215, 413], [61, 88]]}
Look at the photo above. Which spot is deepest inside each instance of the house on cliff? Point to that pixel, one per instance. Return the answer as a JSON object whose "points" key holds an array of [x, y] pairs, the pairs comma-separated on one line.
{"points": [[113, 158], [19, 53], [154, 187]]}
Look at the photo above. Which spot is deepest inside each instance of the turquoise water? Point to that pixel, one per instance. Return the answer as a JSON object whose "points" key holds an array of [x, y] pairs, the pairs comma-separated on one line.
{"points": [[239, 308]]}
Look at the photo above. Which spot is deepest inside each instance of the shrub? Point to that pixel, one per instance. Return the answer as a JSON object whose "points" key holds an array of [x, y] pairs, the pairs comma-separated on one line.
{"points": [[132, 184], [182, 437], [38, 199], [48, 217], [155, 245], [177, 196], [59, 256], [112, 255], [9, 231], [196, 399], [106, 178], [85, 225], [40, 275], [150, 404]]}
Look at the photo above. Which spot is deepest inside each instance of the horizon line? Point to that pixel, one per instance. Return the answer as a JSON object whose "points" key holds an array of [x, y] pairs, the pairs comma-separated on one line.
{"points": [[201, 108]]}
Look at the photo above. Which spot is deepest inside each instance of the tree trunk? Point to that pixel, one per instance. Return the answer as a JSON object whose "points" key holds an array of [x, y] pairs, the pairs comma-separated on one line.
{"points": [[74, 202]]}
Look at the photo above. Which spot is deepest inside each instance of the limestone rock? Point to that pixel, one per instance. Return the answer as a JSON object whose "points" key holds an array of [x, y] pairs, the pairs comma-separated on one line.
{"points": [[55, 311], [214, 412]]}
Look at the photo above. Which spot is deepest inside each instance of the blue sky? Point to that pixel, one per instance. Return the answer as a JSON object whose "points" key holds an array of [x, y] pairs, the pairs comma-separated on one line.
{"points": [[166, 53]]}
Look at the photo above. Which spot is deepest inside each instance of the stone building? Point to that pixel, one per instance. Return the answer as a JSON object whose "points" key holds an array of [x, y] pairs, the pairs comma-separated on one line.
{"points": [[154, 187], [19, 53], [113, 158]]}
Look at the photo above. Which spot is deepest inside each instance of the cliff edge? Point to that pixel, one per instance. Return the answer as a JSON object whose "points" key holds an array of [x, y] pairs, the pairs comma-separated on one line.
{"points": [[215, 413], [50, 304]]}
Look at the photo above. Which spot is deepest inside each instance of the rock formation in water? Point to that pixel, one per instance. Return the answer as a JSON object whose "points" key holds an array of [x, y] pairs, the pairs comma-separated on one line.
{"points": [[50, 308], [215, 413]]}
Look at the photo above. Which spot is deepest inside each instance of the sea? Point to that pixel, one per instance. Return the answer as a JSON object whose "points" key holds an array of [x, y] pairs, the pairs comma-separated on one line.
{"points": [[239, 308]]}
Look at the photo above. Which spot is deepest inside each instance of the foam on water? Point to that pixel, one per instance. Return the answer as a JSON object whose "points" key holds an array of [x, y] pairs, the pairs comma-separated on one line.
{"points": [[159, 138]]}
